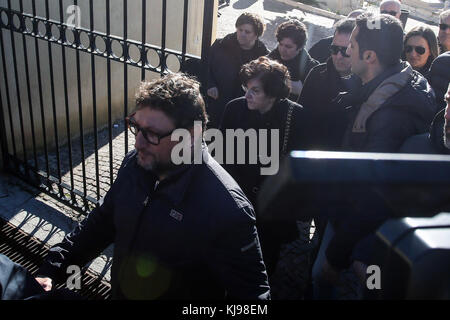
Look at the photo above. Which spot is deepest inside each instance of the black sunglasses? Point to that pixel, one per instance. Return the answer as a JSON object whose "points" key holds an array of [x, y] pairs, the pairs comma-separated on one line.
{"points": [[420, 50], [443, 26], [335, 49], [150, 136], [392, 13]]}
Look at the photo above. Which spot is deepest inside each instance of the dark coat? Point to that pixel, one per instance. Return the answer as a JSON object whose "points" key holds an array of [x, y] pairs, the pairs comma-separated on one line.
{"points": [[190, 236], [299, 67], [391, 119], [385, 112], [238, 116], [321, 49], [439, 77], [225, 61], [327, 122]]}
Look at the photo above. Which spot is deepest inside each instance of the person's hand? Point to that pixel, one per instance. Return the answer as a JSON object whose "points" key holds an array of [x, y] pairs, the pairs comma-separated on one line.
{"points": [[296, 87], [45, 283], [213, 93]]}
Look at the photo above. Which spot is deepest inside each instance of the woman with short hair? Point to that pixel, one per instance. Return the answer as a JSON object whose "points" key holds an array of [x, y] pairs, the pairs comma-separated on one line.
{"points": [[292, 36], [265, 107], [226, 58], [420, 49]]}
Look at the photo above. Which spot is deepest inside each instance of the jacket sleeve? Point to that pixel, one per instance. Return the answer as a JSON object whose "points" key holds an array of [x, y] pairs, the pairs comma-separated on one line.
{"points": [[235, 256], [212, 61], [86, 241], [389, 128]]}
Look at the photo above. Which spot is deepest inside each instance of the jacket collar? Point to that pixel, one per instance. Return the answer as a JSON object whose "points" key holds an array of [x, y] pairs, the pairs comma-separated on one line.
{"points": [[174, 187], [380, 90]]}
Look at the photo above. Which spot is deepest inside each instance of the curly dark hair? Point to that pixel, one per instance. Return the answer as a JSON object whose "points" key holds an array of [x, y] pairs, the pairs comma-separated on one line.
{"points": [[293, 29], [273, 75], [177, 95], [252, 19]]}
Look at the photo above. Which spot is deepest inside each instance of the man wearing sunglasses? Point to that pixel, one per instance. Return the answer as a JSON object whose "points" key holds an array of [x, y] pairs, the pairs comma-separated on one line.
{"points": [[394, 103], [444, 31], [323, 84], [179, 231], [391, 7]]}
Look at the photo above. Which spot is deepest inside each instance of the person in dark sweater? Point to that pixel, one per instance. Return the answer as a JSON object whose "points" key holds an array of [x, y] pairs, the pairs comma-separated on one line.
{"points": [[291, 36], [265, 107], [227, 55]]}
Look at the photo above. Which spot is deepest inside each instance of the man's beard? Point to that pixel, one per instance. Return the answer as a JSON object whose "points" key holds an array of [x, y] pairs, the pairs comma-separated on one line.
{"points": [[156, 167]]}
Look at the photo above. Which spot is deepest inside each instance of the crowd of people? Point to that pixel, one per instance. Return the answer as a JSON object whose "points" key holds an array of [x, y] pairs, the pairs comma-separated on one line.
{"points": [[192, 231]]}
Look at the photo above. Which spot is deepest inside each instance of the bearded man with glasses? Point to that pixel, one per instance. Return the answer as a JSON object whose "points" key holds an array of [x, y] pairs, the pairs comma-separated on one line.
{"points": [[182, 231]]}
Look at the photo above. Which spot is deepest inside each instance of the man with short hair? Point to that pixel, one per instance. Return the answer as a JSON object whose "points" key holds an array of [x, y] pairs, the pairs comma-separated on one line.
{"points": [[394, 103], [322, 85], [444, 31], [391, 7], [179, 231]]}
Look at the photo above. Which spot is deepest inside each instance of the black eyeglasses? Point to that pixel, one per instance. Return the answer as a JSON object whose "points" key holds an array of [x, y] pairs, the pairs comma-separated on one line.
{"points": [[443, 26], [392, 13], [335, 49], [149, 136], [420, 50]]}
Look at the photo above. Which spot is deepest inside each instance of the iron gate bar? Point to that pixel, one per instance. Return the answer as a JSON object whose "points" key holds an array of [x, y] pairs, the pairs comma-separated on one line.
{"points": [[163, 37], [19, 101], [8, 100], [144, 39], [108, 77], [108, 39], [80, 117], [3, 143], [52, 86], [41, 99], [185, 22], [57, 32], [30, 105], [66, 102], [125, 71]]}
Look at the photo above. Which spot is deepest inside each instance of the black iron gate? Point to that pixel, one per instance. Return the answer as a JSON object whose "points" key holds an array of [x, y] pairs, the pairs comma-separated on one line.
{"points": [[40, 141]]}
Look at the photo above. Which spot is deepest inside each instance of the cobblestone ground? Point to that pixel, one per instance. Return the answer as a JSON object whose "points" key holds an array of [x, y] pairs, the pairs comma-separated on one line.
{"points": [[118, 146]]}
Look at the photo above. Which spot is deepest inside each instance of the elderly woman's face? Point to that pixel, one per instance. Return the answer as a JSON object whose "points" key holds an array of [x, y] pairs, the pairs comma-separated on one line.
{"points": [[417, 51], [246, 36], [288, 49], [256, 97]]}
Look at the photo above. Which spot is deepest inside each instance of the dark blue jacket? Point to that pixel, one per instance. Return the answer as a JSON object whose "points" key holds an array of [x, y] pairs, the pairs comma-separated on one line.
{"points": [[440, 77], [192, 236], [407, 112]]}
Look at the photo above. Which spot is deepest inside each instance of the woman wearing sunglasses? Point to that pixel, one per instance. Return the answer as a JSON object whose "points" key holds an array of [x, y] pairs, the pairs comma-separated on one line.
{"points": [[420, 49]]}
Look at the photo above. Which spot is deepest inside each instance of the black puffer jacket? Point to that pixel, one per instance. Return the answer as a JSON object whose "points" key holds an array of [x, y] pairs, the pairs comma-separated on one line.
{"points": [[249, 177], [394, 106], [299, 67], [328, 123], [440, 77], [225, 61]]}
